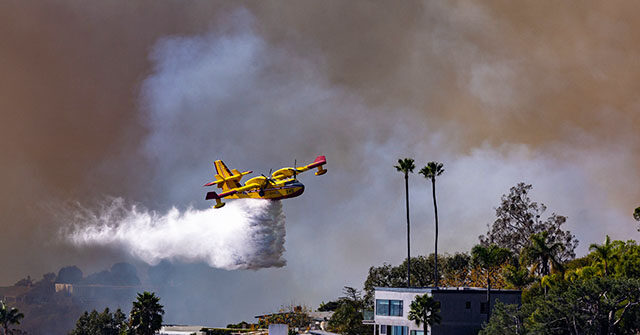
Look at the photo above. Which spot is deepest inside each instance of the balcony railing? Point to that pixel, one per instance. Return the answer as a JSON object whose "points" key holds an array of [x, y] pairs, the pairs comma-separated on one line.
{"points": [[367, 317]]}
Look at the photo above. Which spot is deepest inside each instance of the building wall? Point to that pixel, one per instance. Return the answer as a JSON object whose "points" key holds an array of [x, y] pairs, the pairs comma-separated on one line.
{"points": [[457, 318]]}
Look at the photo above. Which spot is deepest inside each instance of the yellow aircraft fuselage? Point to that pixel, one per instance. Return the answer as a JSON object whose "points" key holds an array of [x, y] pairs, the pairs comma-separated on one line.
{"points": [[275, 191]]}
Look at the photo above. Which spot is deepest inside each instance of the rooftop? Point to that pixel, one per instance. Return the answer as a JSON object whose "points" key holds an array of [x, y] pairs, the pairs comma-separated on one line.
{"points": [[438, 289], [321, 332]]}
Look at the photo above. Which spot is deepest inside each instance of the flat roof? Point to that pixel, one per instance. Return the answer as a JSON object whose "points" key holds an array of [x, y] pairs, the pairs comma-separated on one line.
{"points": [[321, 332], [441, 289], [405, 289]]}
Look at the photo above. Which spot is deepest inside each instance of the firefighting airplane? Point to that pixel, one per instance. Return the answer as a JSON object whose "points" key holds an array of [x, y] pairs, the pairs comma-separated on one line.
{"points": [[282, 184]]}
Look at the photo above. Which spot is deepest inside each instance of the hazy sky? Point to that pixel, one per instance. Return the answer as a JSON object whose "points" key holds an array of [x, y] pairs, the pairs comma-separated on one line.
{"points": [[137, 99]]}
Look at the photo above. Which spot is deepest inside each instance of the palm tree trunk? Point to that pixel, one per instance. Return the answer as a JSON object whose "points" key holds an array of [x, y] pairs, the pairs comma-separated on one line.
{"points": [[435, 208], [406, 187]]}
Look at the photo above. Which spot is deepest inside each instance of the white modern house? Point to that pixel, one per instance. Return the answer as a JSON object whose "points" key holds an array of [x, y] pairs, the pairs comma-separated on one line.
{"points": [[462, 309]]}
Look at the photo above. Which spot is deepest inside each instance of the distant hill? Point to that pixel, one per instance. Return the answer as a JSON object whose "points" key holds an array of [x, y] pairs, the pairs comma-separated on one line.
{"points": [[53, 304]]}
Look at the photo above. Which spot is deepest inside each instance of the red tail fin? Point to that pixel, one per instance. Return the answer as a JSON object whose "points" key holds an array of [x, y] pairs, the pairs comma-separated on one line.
{"points": [[212, 195]]}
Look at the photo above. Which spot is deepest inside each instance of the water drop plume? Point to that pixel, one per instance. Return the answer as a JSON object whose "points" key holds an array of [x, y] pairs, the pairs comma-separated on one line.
{"points": [[245, 234]]}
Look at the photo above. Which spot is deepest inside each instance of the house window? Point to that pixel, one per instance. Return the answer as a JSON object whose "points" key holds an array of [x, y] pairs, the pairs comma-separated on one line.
{"points": [[382, 307], [389, 307], [417, 332], [484, 308], [399, 330], [395, 307], [383, 329], [468, 305]]}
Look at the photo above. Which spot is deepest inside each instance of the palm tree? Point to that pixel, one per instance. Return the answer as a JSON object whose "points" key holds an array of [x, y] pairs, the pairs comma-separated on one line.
{"points": [[406, 166], [605, 252], [146, 314], [424, 310], [489, 258], [542, 254], [8, 317], [431, 171]]}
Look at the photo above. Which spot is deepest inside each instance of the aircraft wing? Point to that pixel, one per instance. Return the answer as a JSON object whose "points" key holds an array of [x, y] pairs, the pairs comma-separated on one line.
{"points": [[291, 172], [226, 179], [217, 181]]}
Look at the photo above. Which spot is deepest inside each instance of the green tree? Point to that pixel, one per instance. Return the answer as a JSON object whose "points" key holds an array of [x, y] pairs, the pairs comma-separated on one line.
{"points": [[104, 323], [627, 262], [604, 252], [146, 314], [328, 306], [385, 275], [543, 254], [431, 171], [517, 276], [388, 275], [596, 305], [505, 320], [406, 166], [9, 316], [421, 270], [295, 316], [424, 311], [456, 269], [518, 217], [347, 318], [490, 258]]}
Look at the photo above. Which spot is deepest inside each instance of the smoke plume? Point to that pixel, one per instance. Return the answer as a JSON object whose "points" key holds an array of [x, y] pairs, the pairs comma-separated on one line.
{"points": [[245, 234]]}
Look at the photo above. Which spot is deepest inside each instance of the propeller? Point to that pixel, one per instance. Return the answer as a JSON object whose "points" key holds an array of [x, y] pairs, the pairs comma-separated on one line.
{"points": [[295, 169], [267, 180]]}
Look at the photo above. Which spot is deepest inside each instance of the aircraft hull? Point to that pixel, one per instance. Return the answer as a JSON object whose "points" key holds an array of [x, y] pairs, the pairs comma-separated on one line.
{"points": [[272, 193]]}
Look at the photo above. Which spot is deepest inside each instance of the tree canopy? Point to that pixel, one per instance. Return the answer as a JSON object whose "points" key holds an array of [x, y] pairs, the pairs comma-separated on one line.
{"points": [[592, 306], [105, 323], [405, 166], [146, 314], [589, 297], [518, 217], [9, 316], [542, 254], [604, 252], [347, 318]]}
